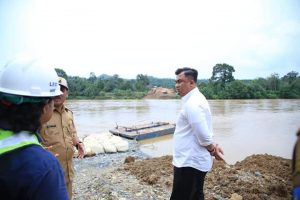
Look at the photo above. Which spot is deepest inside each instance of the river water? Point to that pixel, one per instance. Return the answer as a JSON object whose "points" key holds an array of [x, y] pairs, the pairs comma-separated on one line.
{"points": [[241, 127]]}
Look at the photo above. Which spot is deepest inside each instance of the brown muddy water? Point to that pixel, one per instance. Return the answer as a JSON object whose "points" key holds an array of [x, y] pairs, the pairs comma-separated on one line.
{"points": [[241, 127]]}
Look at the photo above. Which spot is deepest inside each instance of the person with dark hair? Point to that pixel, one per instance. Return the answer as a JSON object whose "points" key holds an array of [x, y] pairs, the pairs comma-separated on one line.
{"points": [[296, 168], [27, 170], [193, 145], [60, 134]]}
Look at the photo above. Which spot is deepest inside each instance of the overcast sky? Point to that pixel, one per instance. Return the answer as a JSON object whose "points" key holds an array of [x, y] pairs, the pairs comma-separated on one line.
{"points": [[154, 37]]}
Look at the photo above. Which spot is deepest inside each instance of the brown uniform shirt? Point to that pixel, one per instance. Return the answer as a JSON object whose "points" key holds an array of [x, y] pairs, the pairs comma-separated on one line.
{"points": [[60, 133]]}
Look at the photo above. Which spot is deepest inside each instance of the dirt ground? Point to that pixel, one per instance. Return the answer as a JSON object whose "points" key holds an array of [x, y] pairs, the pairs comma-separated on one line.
{"points": [[133, 175], [160, 93], [256, 177]]}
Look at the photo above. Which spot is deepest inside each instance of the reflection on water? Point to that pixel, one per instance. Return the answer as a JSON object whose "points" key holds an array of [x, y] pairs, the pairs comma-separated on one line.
{"points": [[241, 127]]}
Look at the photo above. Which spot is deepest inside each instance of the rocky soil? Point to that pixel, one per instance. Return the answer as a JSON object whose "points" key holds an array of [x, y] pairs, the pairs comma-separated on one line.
{"points": [[134, 176], [161, 93]]}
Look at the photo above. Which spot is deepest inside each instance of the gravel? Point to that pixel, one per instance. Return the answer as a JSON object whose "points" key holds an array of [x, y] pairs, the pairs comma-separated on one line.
{"points": [[102, 177], [106, 177]]}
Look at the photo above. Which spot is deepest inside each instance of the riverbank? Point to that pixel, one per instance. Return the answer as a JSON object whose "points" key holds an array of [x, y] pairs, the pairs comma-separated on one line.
{"points": [[107, 177]]}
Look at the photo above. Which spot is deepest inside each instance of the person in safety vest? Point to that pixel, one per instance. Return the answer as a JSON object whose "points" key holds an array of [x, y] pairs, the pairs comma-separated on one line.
{"points": [[59, 134], [296, 168], [27, 170]]}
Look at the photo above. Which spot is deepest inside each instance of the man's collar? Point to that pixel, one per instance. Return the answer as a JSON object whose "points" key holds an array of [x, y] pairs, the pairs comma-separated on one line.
{"points": [[60, 109], [187, 96]]}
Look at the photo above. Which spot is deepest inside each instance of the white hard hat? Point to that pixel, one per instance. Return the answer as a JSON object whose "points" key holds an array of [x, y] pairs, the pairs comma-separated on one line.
{"points": [[27, 77], [63, 82]]}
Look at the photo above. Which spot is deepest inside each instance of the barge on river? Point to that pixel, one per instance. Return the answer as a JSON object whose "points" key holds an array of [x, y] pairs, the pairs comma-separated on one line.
{"points": [[144, 131]]}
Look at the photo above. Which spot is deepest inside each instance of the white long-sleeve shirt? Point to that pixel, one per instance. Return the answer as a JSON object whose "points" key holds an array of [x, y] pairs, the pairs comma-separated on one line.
{"points": [[193, 132]]}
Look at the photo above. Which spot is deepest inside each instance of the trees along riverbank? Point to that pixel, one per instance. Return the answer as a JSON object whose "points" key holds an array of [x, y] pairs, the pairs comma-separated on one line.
{"points": [[221, 85]]}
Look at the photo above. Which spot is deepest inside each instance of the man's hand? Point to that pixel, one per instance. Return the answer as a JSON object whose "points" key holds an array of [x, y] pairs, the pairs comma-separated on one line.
{"points": [[219, 154], [80, 148], [216, 151]]}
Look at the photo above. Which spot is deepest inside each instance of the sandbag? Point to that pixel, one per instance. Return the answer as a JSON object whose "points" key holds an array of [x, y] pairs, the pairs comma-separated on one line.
{"points": [[105, 143], [109, 147], [119, 143], [122, 146], [93, 145]]}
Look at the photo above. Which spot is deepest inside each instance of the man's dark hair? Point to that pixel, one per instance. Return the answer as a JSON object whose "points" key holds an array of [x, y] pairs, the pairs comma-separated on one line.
{"points": [[23, 117], [188, 72]]}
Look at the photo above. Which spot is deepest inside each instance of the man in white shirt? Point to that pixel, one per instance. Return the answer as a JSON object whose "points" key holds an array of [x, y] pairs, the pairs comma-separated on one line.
{"points": [[193, 143]]}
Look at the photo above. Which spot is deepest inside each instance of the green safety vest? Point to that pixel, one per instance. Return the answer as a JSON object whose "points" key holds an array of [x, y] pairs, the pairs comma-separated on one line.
{"points": [[10, 141]]}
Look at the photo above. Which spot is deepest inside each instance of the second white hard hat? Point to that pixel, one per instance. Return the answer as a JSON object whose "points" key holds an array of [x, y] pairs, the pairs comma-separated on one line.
{"points": [[63, 82]]}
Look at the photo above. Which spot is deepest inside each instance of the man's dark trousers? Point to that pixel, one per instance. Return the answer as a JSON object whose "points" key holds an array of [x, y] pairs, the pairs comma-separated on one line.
{"points": [[188, 184]]}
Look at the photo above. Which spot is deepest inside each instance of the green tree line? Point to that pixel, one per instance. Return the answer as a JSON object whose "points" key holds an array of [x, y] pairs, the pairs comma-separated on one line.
{"points": [[221, 85]]}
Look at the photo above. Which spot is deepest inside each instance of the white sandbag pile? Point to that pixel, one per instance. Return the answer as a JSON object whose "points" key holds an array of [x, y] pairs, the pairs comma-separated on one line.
{"points": [[104, 143]]}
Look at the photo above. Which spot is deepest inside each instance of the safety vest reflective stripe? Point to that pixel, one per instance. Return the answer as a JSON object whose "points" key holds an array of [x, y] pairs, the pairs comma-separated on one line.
{"points": [[10, 141]]}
